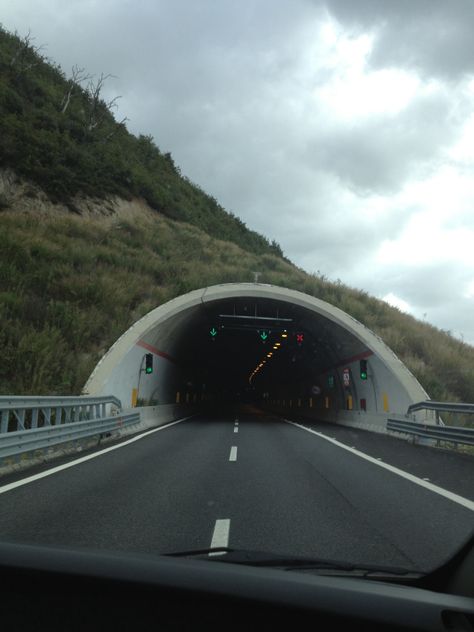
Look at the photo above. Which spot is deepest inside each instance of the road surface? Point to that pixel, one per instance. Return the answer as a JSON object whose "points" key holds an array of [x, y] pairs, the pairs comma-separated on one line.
{"points": [[258, 483]]}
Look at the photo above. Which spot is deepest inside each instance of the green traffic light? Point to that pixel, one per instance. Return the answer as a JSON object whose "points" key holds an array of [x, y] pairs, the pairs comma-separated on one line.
{"points": [[149, 363]]}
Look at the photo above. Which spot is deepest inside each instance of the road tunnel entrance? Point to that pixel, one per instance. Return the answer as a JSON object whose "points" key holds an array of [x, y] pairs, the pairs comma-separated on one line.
{"points": [[260, 344]]}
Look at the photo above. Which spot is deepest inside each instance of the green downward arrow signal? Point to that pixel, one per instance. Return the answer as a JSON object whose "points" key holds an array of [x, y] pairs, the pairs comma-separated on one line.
{"points": [[264, 335], [213, 332]]}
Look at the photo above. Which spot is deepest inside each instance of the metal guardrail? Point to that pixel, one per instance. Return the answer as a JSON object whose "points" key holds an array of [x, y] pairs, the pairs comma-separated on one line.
{"points": [[447, 407], [14, 443], [18, 413], [454, 434]]}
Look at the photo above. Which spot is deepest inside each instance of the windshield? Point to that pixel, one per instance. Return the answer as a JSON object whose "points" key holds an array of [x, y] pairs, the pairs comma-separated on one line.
{"points": [[235, 265]]}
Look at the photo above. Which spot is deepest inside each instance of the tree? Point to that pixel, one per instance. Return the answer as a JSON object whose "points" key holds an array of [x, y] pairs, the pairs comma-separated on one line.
{"points": [[98, 109], [78, 76], [26, 55]]}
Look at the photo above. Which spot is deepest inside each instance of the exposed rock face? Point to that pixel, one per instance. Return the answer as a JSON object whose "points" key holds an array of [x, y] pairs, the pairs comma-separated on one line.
{"points": [[19, 195]]}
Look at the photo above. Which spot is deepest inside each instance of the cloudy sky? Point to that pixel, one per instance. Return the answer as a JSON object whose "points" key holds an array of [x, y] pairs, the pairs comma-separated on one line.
{"points": [[344, 129]]}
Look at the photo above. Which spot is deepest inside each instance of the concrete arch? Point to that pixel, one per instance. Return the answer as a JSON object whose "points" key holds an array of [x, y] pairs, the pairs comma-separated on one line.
{"points": [[177, 334]]}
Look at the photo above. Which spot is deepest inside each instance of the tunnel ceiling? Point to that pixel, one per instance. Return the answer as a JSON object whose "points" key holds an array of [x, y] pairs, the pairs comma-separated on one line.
{"points": [[247, 329]]}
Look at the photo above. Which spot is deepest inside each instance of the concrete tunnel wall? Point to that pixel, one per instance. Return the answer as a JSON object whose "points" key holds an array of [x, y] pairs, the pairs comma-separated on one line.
{"points": [[391, 387]]}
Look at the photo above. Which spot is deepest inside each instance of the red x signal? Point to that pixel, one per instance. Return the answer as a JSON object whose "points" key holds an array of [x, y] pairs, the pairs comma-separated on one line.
{"points": [[299, 338]]}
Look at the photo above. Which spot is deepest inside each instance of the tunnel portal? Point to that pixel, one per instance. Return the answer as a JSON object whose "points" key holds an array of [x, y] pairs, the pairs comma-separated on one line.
{"points": [[259, 344]]}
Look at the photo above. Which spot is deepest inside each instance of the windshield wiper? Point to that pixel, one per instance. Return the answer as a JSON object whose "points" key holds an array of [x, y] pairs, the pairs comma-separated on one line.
{"points": [[326, 567], [196, 552]]}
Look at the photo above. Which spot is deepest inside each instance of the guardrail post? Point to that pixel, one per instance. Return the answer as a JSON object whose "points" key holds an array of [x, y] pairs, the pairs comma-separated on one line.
{"points": [[34, 418], [67, 415], [58, 416], [4, 421], [47, 416], [104, 410]]}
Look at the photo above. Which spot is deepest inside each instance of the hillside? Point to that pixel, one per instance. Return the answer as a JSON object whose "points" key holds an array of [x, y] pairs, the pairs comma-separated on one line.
{"points": [[60, 134], [99, 227], [71, 285]]}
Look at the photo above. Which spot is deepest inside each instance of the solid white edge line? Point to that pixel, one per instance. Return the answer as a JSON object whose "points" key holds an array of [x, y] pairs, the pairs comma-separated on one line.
{"points": [[465, 502], [58, 468], [233, 453], [220, 536]]}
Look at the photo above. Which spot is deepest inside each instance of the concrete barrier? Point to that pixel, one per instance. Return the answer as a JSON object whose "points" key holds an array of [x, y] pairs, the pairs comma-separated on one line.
{"points": [[371, 421]]}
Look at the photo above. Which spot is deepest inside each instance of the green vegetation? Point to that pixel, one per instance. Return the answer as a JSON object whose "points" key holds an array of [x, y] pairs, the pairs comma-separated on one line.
{"points": [[71, 285], [64, 138]]}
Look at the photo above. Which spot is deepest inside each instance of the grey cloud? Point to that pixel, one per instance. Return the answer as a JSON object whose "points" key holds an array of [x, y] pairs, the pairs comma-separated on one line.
{"points": [[429, 285], [433, 37], [380, 154], [434, 292]]}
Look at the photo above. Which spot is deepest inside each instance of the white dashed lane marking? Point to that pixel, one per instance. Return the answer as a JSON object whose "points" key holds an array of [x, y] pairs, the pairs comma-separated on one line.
{"points": [[220, 537], [233, 453]]}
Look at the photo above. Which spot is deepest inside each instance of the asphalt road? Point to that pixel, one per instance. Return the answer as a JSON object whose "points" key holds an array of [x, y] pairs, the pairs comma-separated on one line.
{"points": [[262, 484]]}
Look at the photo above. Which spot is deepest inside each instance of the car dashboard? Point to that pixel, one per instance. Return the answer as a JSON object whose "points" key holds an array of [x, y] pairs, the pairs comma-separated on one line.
{"points": [[59, 589]]}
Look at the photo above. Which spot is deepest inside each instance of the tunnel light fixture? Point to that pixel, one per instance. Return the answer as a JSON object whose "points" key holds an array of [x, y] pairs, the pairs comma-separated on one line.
{"points": [[284, 334]]}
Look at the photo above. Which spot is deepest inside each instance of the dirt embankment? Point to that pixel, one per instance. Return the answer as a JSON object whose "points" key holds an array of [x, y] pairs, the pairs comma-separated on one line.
{"points": [[18, 195]]}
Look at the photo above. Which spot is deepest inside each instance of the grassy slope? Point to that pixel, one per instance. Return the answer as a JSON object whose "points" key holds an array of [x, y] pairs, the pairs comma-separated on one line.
{"points": [[69, 286]]}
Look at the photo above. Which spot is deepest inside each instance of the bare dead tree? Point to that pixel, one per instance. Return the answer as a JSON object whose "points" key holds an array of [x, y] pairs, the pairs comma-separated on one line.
{"points": [[27, 55], [116, 128], [78, 76], [98, 108]]}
